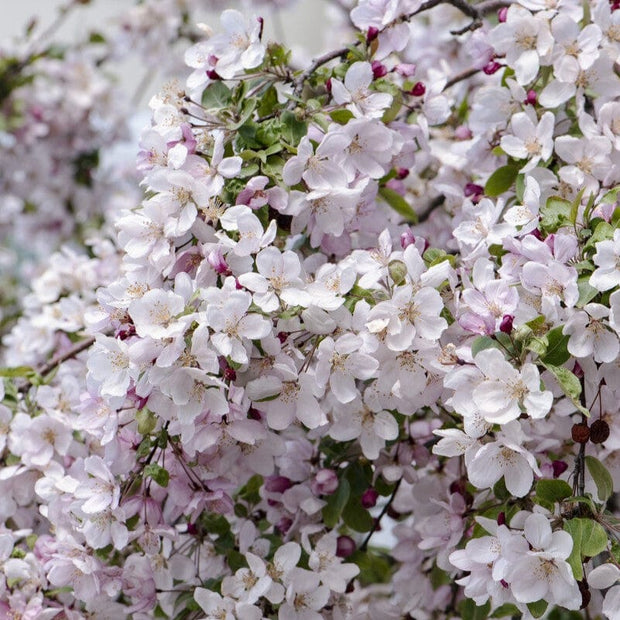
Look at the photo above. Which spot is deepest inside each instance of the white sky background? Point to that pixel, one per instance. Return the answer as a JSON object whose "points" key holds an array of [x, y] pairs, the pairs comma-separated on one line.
{"points": [[300, 25]]}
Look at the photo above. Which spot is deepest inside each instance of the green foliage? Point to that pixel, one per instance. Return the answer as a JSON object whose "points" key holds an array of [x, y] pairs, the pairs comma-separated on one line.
{"points": [[157, 473], [336, 502], [589, 539], [398, 203], [601, 476], [501, 180]]}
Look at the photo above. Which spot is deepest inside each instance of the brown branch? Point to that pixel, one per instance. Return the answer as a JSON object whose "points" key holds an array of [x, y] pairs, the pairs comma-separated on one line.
{"points": [[377, 521], [460, 77], [475, 11], [57, 361], [298, 83]]}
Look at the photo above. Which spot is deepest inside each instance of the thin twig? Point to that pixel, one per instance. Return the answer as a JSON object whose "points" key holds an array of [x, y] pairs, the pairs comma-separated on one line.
{"points": [[57, 361], [459, 77], [298, 83], [377, 523]]}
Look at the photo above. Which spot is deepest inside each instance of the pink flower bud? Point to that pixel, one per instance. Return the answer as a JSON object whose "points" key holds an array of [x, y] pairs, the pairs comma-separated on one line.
{"points": [[345, 546], [559, 467], [372, 34], [405, 69], [578, 370], [216, 259], [328, 85], [462, 132], [472, 189], [212, 74], [502, 14], [532, 97], [325, 482], [402, 173], [369, 498], [407, 239], [506, 325], [277, 484], [418, 89], [378, 69], [501, 518], [491, 67]]}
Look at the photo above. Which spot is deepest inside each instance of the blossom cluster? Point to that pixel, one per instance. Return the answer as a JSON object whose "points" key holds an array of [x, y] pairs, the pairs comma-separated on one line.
{"points": [[378, 293]]}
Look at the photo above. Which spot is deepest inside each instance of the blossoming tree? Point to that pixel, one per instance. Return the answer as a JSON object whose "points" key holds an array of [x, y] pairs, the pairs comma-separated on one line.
{"points": [[355, 353]]}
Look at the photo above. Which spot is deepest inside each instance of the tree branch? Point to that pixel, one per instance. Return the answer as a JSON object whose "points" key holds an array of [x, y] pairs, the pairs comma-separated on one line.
{"points": [[57, 361], [298, 83]]}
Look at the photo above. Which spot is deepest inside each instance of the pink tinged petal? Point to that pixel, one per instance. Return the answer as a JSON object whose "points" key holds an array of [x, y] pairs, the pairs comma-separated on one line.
{"points": [[358, 77], [254, 326], [514, 147], [606, 346], [518, 476], [538, 532], [483, 469], [556, 93], [538, 404], [339, 93], [604, 576], [343, 387], [527, 586], [310, 413], [385, 426], [361, 366], [230, 167]]}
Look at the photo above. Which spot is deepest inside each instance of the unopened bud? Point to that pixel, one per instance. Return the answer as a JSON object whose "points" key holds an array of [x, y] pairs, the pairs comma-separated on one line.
{"points": [[559, 467], [418, 89], [369, 498], [506, 325], [491, 67], [378, 69], [345, 546], [502, 14], [325, 482], [372, 34], [531, 98]]}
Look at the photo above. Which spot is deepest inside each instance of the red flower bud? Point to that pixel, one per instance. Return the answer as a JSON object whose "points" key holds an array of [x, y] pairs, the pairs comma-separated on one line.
{"points": [[418, 89]]}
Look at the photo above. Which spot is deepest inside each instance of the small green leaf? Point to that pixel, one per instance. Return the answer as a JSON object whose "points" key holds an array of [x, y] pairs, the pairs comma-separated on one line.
{"points": [[589, 539], [293, 129], [586, 292], [147, 421], [398, 203], [602, 232], [356, 517], [507, 609], [374, 568], [501, 180], [470, 611], [602, 478], [157, 473], [481, 343], [557, 348], [556, 212], [336, 503], [569, 384], [216, 95], [342, 117], [538, 608], [553, 490]]}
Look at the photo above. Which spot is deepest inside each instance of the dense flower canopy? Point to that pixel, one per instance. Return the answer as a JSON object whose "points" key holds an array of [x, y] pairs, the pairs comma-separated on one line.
{"points": [[346, 348]]}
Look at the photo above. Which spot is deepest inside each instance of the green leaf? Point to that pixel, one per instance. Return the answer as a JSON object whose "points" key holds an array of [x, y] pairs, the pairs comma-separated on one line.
{"points": [[553, 490], [374, 568], [247, 108], [602, 478], [538, 608], [602, 232], [556, 212], [501, 180], [157, 473], [398, 203], [481, 343], [268, 102], [569, 384], [293, 129], [470, 611], [589, 539], [216, 95], [507, 609], [250, 490], [586, 292], [342, 117], [18, 371], [147, 421], [336, 503], [357, 517], [557, 348]]}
